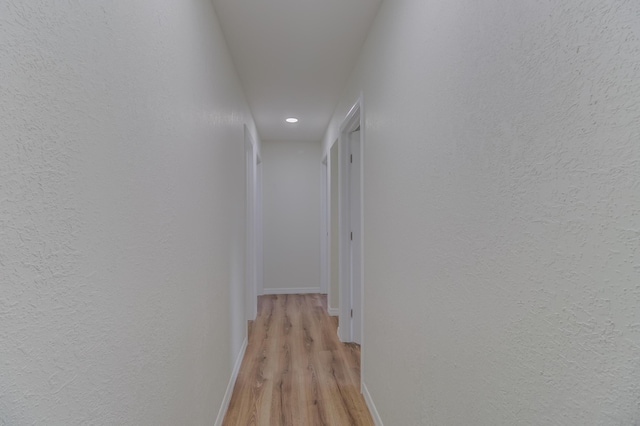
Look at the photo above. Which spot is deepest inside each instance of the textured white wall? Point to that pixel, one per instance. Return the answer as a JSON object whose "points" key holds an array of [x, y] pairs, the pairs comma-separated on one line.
{"points": [[291, 203], [121, 212], [502, 211]]}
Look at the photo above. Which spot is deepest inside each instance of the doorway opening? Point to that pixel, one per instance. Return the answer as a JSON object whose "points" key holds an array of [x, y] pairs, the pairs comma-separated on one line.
{"points": [[259, 254], [333, 298], [350, 224], [324, 226], [253, 226]]}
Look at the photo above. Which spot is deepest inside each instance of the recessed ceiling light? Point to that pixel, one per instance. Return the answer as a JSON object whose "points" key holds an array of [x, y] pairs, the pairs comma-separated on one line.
{"points": [[291, 120]]}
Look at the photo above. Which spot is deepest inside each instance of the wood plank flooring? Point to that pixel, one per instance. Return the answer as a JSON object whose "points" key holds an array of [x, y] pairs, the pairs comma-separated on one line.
{"points": [[295, 370]]}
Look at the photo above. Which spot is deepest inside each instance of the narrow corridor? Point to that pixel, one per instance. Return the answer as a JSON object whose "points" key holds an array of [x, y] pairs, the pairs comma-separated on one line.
{"points": [[295, 370]]}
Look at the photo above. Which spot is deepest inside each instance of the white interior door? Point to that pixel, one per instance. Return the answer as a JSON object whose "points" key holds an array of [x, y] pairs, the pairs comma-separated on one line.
{"points": [[350, 250], [355, 211]]}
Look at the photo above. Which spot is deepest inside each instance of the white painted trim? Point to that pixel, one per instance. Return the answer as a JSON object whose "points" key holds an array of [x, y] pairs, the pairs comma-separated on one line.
{"points": [[232, 382], [372, 407], [251, 292], [334, 312], [305, 290], [353, 119], [324, 227], [259, 230]]}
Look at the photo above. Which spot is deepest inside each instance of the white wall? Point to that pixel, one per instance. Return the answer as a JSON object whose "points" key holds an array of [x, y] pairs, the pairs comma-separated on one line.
{"points": [[121, 213], [291, 203], [501, 208]]}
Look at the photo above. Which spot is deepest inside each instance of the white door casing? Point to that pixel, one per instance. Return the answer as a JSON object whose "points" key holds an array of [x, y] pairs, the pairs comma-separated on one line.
{"points": [[334, 240], [324, 227], [356, 240], [259, 231], [350, 225], [251, 295]]}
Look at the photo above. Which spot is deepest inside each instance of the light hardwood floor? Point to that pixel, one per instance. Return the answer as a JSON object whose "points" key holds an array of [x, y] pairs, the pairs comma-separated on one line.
{"points": [[295, 370]]}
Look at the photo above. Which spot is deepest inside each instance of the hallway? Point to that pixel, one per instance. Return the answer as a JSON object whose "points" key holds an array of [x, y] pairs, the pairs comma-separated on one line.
{"points": [[295, 370], [153, 186]]}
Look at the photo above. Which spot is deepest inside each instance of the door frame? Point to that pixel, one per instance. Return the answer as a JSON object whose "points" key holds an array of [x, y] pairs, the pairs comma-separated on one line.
{"points": [[346, 332], [259, 230], [333, 241], [251, 291], [324, 227]]}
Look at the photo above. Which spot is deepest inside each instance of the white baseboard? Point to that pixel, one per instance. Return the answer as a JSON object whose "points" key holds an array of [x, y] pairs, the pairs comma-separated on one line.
{"points": [[334, 312], [232, 382], [372, 407], [291, 290]]}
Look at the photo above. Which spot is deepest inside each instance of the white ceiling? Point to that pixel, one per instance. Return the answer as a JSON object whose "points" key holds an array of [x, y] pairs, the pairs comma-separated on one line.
{"points": [[293, 57]]}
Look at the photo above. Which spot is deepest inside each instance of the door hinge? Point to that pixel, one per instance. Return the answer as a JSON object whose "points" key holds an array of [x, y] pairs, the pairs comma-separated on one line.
{"points": [[351, 158], [352, 236], [352, 313]]}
